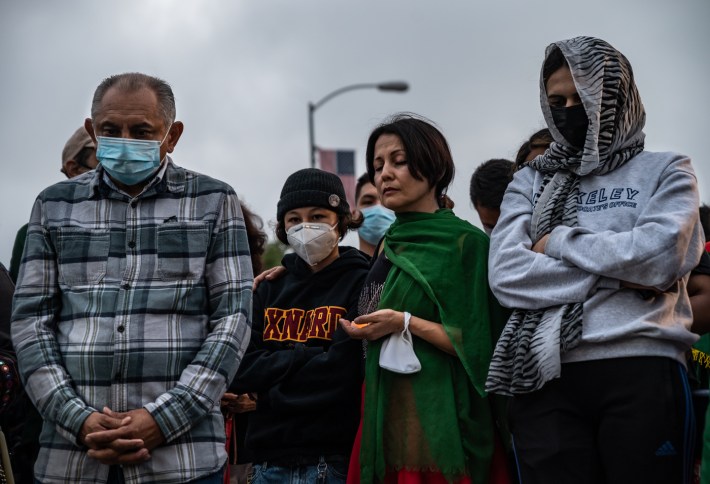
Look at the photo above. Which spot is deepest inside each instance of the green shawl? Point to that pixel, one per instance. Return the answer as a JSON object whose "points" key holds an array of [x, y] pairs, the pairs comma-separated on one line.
{"points": [[439, 419]]}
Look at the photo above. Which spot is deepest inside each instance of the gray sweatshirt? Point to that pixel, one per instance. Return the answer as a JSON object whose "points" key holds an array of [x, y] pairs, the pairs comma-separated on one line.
{"points": [[639, 224]]}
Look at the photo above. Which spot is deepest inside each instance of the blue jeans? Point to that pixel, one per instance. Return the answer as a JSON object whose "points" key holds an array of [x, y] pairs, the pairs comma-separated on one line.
{"points": [[333, 472], [115, 476]]}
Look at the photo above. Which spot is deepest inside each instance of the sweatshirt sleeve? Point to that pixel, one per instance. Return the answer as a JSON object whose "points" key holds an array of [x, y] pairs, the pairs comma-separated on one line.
{"points": [[521, 278], [664, 244]]}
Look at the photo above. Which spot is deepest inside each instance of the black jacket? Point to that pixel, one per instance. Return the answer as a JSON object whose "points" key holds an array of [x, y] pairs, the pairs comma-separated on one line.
{"points": [[304, 368]]}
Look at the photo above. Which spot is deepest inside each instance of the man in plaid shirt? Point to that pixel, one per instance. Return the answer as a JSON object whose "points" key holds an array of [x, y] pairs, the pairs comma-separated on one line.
{"points": [[132, 306]]}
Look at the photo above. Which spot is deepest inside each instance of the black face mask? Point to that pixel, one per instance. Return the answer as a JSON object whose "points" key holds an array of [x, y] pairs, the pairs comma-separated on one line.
{"points": [[572, 123]]}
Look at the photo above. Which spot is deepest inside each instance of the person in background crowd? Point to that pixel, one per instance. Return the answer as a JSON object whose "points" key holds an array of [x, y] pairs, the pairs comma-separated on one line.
{"points": [[593, 248], [376, 217], [303, 368], [78, 156], [488, 184], [536, 145], [430, 279], [490, 180], [13, 401], [699, 292], [705, 220], [132, 304], [256, 236], [237, 407]]}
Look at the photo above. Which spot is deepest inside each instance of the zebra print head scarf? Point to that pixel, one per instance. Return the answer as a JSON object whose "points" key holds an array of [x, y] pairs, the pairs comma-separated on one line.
{"points": [[528, 352], [605, 83]]}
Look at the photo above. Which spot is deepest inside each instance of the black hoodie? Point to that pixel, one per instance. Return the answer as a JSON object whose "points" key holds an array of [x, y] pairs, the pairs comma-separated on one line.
{"points": [[301, 363]]}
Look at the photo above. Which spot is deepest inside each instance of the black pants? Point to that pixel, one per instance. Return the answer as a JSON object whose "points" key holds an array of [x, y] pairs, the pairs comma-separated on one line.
{"points": [[616, 421]]}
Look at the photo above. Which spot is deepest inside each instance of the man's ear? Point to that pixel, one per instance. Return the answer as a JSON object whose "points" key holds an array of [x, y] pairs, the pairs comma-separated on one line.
{"points": [[174, 135], [89, 127]]}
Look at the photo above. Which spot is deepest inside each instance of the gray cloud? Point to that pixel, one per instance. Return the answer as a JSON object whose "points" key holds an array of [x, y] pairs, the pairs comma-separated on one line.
{"points": [[243, 73]]}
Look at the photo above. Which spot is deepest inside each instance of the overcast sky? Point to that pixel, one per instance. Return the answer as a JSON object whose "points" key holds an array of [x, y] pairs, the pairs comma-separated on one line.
{"points": [[244, 71]]}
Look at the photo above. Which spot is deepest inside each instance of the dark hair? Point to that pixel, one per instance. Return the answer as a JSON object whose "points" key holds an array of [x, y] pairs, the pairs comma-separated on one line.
{"points": [[255, 237], [489, 181], [554, 61], [133, 81], [540, 139], [362, 180], [705, 221], [428, 154]]}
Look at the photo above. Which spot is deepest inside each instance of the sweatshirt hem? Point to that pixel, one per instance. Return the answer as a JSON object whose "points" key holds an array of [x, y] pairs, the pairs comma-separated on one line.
{"points": [[638, 347]]}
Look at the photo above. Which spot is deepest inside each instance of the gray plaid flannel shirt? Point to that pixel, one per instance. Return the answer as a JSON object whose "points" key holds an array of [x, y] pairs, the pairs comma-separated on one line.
{"points": [[133, 303]]}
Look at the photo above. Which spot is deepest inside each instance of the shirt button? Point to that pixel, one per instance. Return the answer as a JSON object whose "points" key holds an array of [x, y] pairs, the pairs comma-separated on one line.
{"points": [[121, 329], [117, 377], [133, 204], [132, 244], [126, 286]]}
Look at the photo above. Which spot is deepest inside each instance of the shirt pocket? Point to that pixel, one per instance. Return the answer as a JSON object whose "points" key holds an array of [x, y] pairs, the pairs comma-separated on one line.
{"points": [[83, 255], [182, 248]]}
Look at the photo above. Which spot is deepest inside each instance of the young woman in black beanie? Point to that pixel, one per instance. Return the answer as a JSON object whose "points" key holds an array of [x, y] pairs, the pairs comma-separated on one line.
{"points": [[303, 367]]}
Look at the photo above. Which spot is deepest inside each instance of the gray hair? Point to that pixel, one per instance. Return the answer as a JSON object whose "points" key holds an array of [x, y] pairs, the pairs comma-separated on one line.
{"points": [[133, 81]]}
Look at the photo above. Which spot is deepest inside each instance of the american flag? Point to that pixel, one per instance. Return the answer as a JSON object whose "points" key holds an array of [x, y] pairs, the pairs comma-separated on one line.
{"points": [[342, 163]]}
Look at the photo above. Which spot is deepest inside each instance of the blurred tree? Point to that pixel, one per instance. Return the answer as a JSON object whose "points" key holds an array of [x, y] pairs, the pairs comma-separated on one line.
{"points": [[273, 254]]}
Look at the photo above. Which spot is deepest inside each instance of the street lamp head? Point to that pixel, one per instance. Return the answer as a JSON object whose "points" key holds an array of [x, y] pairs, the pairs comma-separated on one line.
{"points": [[399, 86], [395, 86]]}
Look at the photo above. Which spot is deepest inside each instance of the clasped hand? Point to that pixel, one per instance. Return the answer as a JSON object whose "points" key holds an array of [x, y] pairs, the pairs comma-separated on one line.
{"points": [[120, 437], [374, 325], [233, 403]]}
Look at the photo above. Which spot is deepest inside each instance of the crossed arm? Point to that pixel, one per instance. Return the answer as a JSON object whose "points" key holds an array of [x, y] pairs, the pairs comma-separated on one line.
{"points": [[661, 247]]}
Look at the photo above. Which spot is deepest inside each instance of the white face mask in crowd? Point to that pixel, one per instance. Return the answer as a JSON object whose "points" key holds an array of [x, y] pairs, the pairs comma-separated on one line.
{"points": [[312, 242]]}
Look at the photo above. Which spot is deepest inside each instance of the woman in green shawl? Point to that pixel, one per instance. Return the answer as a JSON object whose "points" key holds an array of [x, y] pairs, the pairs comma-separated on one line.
{"points": [[436, 425]]}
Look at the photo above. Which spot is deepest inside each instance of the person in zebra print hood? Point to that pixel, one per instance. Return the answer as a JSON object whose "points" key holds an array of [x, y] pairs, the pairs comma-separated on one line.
{"points": [[592, 250]]}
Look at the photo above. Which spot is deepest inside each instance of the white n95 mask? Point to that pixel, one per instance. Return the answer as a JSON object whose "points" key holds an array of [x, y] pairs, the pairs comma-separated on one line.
{"points": [[312, 242]]}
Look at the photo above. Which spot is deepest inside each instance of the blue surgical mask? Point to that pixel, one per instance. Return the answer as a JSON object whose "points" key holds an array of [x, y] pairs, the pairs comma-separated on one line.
{"points": [[377, 220], [129, 161]]}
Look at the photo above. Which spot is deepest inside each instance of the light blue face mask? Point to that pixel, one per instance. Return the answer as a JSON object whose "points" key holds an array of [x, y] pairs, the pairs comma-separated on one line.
{"points": [[129, 161], [377, 220]]}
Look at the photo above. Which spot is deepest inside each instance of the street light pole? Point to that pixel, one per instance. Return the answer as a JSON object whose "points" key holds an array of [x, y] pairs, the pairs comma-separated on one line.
{"points": [[395, 86]]}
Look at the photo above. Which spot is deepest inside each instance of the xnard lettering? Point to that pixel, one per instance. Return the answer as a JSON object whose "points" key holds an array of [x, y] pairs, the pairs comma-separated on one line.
{"points": [[299, 326]]}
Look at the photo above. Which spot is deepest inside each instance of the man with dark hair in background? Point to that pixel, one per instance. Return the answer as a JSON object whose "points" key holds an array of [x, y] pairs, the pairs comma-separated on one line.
{"points": [[488, 184], [376, 217]]}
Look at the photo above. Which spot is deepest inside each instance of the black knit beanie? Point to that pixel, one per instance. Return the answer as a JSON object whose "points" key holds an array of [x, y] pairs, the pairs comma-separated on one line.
{"points": [[311, 187]]}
